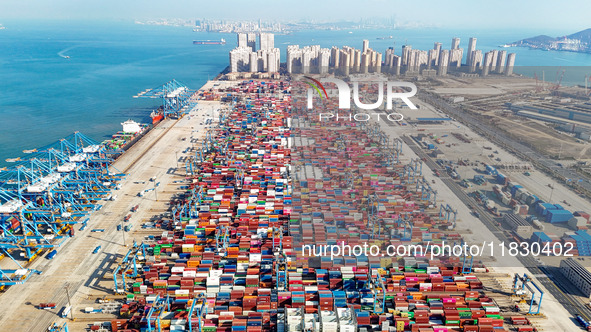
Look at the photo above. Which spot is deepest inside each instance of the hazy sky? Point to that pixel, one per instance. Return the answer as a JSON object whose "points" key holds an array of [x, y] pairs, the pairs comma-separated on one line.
{"points": [[566, 15]]}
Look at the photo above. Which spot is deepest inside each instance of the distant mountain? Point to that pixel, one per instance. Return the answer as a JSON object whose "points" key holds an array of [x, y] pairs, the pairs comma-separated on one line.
{"points": [[536, 39], [584, 35], [576, 42]]}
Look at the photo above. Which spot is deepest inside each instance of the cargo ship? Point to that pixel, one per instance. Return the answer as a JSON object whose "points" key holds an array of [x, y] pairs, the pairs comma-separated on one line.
{"points": [[210, 42], [131, 133], [157, 116]]}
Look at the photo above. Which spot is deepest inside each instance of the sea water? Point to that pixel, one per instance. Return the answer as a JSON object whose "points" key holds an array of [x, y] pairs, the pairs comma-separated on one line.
{"points": [[57, 78]]}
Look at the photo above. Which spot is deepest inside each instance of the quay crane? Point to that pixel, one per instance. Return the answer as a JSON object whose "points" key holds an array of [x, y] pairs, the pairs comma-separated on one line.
{"points": [[48, 191], [176, 97]]}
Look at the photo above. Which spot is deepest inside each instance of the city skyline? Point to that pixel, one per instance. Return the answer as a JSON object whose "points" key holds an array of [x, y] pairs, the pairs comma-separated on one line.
{"points": [[459, 13]]}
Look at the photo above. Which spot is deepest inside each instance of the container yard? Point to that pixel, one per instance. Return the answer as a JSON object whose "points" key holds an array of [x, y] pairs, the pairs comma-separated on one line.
{"points": [[233, 196]]}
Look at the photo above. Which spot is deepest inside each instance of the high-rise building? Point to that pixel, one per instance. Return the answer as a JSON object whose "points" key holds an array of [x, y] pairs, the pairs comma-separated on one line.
{"points": [[239, 59], [378, 62], [242, 40], [251, 41], [406, 50], [324, 61], [266, 41], [273, 60], [437, 47], [437, 51], [365, 60], [389, 57], [335, 54], [501, 59], [396, 64], [494, 60], [310, 59], [443, 63], [510, 64], [433, 58], [417, 58], [476, 60], [486, 66], [244, 58], [293, 58], [471, 49], [455, 57], [345, 62], [455, 43], [356, 60], [254, 62], [365, 46]]}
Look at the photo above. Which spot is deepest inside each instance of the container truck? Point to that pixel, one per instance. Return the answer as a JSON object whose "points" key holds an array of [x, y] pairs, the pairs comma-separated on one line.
{"points": [[51, 254]]}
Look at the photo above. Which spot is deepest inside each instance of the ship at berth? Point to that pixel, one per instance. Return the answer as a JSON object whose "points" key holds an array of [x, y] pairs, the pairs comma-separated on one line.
{"points": [[210, 42]]}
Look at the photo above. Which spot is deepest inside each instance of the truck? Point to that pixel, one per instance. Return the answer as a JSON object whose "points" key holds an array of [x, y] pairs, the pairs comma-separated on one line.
{"points": [[586, 325], [65, 311], [127, 217], [127, 227], [47, 306], [97, 230], [51, 254], [133, 209]]}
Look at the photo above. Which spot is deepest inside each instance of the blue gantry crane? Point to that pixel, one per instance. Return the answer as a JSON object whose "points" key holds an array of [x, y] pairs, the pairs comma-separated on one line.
{"points": [[446, 212], [373, 210], [406, 224], [379, 291], [129, 262], [199, 308], [158, 307], [222, 239], [520, 283], [55, 327], [49, 190], [427, 192], [176, 97], [281, 271]]}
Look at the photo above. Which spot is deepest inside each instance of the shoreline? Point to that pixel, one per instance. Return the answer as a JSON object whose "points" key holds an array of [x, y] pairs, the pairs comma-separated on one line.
{"points": [[152, 156]]}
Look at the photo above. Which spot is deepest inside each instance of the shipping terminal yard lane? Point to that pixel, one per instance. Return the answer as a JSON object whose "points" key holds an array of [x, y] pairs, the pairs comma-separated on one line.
{"points": [[199, 221]]}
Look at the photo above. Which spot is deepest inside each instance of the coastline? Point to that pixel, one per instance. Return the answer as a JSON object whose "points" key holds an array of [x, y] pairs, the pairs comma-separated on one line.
{"points": [[154, 155]]}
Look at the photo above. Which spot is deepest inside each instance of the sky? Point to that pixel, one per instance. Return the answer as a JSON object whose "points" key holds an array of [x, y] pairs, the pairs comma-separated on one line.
{"points": [[568, 16]]}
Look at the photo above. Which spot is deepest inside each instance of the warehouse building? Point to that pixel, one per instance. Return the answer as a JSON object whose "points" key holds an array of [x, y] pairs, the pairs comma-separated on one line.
{"points": [[577, 274], [517, 223]]}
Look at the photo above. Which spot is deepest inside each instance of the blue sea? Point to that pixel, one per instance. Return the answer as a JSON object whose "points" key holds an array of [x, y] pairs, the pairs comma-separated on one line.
{"points": [[45, 96]]}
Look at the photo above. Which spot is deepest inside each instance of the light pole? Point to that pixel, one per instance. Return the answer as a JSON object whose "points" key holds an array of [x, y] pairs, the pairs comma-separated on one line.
{"points": [[69, 304], [123, 232]]}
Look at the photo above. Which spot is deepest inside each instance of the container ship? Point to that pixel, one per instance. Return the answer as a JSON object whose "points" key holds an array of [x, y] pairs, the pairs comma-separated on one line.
{"points": [[210, 42], [131, 133]]}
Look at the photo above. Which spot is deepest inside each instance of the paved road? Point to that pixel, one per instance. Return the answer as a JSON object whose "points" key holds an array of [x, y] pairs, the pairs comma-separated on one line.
{"points": [[570, 303], [516, 147]]}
